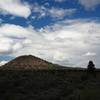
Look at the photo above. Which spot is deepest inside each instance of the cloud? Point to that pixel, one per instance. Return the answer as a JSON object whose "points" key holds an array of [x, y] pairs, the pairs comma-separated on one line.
{"points": [[3, 62], [73, 38], [64, 42], [60, 0], [89, 4], [14, 7], [90, 54], [12, 30], [5, 45], [67, 42], [14, 37], [55, 13], [60, 12]]}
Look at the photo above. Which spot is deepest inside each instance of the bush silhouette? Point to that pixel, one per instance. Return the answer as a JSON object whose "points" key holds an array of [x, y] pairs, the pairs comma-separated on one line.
{"points": [[91, 68]]}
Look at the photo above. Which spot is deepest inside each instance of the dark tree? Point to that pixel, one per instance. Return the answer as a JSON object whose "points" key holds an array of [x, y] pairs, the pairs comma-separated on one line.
{"points": [[91, 68]]}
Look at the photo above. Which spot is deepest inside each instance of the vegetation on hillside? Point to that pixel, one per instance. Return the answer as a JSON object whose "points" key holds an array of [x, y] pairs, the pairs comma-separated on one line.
{"points": [[48, 85]]}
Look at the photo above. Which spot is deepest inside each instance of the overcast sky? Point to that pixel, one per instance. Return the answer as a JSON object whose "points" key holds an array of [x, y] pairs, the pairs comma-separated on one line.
{"points": [[66, 32]]}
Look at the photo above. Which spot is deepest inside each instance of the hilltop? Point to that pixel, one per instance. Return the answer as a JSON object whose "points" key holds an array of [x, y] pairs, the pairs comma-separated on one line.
{"points": [[30, 62]]}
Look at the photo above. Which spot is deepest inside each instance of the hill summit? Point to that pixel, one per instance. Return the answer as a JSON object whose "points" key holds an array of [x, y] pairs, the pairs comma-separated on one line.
{"points": [[28, 62]]}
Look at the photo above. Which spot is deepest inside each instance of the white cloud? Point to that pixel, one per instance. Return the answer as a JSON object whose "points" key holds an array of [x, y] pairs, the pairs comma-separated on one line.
{"points": [[5, 45], [12, 30], [14, 37], [59, 56], [64, 42], [14, 7], [90, 54], [3, 62], [89, 4], [17, 46], [39, 10], [73, 39], [56, 13], [60, 13]]}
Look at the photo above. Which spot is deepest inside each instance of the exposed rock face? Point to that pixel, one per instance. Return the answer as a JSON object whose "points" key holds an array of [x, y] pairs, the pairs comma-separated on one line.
{"points": [[27, 62]]}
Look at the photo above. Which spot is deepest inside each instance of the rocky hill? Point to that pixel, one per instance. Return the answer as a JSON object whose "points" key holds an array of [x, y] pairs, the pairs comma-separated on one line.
{"points": [[29, 62]]}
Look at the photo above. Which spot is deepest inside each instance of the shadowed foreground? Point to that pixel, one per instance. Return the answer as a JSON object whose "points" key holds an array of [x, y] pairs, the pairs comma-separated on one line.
{"points": [[48, 85]]}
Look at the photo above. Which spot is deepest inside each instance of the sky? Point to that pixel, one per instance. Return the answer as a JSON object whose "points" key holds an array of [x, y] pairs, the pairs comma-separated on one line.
{"points": [[65, 32]]}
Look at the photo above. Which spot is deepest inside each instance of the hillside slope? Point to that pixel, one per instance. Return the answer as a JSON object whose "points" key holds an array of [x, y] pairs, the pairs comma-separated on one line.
{"points": [[30, 62]]}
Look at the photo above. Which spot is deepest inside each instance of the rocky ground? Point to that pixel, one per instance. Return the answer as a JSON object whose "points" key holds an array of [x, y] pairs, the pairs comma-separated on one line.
{"points": [[48, 85]]}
